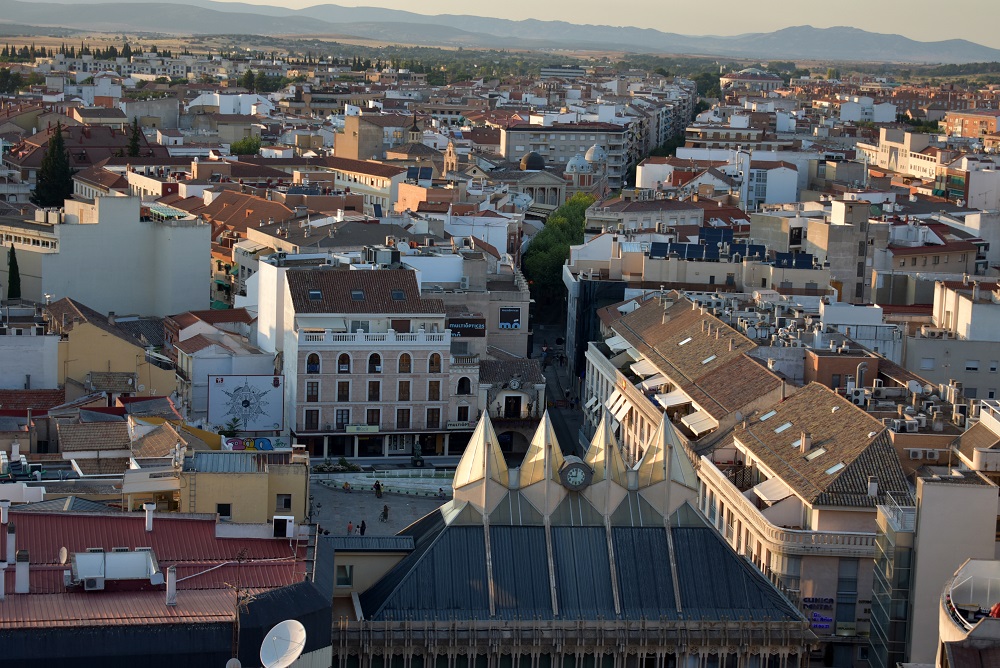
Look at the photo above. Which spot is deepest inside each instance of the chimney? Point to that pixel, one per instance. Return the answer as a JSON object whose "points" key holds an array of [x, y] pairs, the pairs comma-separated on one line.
{"points": [[873, 486], [4, 511], [732, 345], [703, 324], [111, 318], [717, 333], [805, 442], [21, 579], [149, 508], [975, 291], [666, 316], [11, 539], [172, 586]]}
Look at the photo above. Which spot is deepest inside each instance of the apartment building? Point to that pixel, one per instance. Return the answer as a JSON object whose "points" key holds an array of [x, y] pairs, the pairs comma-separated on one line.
{"points": [[795, 490], [558, 143], [972, 123], [367, 363]]}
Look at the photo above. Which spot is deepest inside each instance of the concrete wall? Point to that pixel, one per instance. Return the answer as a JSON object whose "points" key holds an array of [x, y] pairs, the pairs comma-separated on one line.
{"points": [[34, 356], [88, 348]]}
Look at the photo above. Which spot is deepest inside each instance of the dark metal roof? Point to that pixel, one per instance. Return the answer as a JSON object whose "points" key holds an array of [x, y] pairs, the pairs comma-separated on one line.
{"points": [[520, 592], [370, 543], [644, 591], [583, 572]]}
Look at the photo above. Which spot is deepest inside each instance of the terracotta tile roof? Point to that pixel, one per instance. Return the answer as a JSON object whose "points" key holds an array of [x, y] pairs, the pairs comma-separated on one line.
{"points": [[620, 205], [159, 442], [111, 466], [101, 178], [501, 371], [848, 445], [214, 316], [363, 167], [198, 342], [979, 436], [40, 400], [67, 309], [388, 291], [93, 436]]}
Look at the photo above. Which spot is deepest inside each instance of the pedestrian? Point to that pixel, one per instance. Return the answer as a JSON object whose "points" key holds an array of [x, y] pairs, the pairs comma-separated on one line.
{"points": [[347, 487], [385, 513], [350, 527], [378, 489], [357, 529], [362, 527]]}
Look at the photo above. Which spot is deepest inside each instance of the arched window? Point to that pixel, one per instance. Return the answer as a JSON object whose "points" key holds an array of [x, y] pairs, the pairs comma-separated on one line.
{"points": [[434, 364], [464, 385], [344, 363], [405, 363], [374, 363], [312, 363]]}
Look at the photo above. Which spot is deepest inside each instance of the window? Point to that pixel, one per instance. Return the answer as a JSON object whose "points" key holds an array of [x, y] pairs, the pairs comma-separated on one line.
{"points": [[283, 502], [312, 391], [398, 295], [971, 365], [312, 363], [835, 381], [363, 325], [861, 247], [357, 295], [913, 262], [315, 295], [343, 418], [463, 413], [926, 363], [405, 363], [224, 510], [343, 391], [374, 363], [936, 259], [433, 418], [345, 575], [434, 363], [861, 269], [902, 262], [374, 390], [464, 385], [373, 417], [434, 390], [312, 420], [993, 366], [971, 392], [404, 391], [344, 363], [991, 393], [402, 418]]}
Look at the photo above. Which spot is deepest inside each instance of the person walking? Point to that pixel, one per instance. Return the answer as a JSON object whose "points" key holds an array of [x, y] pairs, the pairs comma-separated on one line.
{"points": [[357, 529], [362, 527], [350, 527], [378, 489], [385, 513]]}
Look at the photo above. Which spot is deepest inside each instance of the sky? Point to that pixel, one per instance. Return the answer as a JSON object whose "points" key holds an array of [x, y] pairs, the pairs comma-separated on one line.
{"points": [[923, 20]]}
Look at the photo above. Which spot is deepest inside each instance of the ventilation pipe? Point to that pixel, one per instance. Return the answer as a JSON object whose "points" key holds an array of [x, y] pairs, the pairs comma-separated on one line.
{"points": [[149, 508], [11, 542], [172, 586], [4, 511], [805, 442], [21, 573]]}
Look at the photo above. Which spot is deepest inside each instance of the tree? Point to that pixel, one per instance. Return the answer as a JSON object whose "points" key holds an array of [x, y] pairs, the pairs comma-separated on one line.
{"points": [[549, 249], [248, 81], [134, 139], [54, 184], [231, 428], [13, 276], [246, 146]]}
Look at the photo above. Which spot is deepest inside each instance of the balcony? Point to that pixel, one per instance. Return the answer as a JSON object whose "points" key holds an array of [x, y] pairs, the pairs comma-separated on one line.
{"points": [[375, 340], [780, 539]]}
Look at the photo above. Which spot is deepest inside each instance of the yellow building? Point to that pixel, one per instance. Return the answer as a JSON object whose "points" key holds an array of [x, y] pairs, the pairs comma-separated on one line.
{"points": [[99, 354]]}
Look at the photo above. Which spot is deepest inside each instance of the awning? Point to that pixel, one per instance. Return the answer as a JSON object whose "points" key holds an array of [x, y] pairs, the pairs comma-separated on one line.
{"points": [[643, 368], [590, 403], [653, 382], [613, 401], [675, 398], [622, 409], [338, 325], [615, 424], [235, 271], [773, 490], [617, 343], [699, 422]]}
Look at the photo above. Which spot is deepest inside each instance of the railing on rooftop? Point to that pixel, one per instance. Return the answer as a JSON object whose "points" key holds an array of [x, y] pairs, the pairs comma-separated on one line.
{"points": [[365, 338]]}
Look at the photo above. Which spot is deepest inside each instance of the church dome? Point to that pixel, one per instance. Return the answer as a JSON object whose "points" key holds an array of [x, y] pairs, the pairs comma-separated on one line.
{"points": [[578, 165], [532, 162], [596, 153]]}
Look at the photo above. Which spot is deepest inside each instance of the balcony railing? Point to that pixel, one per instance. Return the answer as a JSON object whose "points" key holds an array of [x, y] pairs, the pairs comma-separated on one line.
{"points": [[381, 339], [780, 539]]}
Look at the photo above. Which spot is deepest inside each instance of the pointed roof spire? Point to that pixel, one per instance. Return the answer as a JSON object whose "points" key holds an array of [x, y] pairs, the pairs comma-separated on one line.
{"points": [[483, 459], [654, 465], [544, 457], [604, 456]]}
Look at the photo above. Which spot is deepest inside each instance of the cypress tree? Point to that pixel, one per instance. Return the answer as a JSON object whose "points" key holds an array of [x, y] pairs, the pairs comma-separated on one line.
{"points": [[132, 150], [54, 184], [13, 276]]}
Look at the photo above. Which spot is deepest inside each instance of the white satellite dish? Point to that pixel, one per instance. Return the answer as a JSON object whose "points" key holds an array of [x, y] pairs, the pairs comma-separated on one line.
{"points": [[283, 644], [915, 387], [63, 555], [142, 388]]}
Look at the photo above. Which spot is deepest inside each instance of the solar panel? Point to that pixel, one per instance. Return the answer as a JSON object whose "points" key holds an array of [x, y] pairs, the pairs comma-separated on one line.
{"points": [[804, 261], [426, 173], [378, 210]]}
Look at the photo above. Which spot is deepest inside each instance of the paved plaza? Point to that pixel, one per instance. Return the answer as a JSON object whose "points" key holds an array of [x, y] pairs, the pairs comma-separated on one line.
{"points": [[333, 509]]}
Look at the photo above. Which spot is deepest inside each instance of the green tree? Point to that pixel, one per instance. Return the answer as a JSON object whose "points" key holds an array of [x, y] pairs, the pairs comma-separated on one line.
{"points": [[231, 428], [54, 184], [13, 276], [246, 146], [549, 249], [134, 139], [249, 81]]}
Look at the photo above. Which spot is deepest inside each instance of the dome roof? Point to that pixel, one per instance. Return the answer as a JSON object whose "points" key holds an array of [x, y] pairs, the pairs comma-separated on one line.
{"points": [[596, 153], [532, 162], [578, 165]]}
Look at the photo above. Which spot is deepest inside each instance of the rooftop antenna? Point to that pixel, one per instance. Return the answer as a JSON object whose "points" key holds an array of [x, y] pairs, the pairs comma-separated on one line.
{"points": [[283, 644]]}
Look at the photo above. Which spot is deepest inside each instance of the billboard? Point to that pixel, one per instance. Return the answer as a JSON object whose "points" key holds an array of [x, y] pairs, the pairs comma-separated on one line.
{"points": [[467, 326], [258, 402], [510, 317]]}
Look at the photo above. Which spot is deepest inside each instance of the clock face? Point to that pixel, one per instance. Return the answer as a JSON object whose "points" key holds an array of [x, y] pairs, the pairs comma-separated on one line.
{"points": [[576, 476]]}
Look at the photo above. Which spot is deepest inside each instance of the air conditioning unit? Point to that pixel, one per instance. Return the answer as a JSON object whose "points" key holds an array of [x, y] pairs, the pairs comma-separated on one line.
{"points": [[932, 455], [93, 584], [922, 420], [912, 426], [959, 420], [927, 406], [898, 426], [465, 283], [916, 454]]}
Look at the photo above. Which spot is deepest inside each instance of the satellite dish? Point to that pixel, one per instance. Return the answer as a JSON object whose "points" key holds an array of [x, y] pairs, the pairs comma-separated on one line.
{"points": [[915, 387], [63, 555], [234, 663], [283, 644], [141, 388]]}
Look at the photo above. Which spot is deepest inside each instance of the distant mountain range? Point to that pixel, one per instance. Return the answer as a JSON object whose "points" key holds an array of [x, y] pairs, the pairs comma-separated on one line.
{"points": [[201, 17]]}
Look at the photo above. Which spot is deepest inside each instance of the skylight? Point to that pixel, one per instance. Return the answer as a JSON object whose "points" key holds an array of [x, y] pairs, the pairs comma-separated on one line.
{"points": [[315, 295], [813, 454], [357, 295], [836, 467], [399, 295], [687, 340], [768, 415], [708, 359], [782, 428]]}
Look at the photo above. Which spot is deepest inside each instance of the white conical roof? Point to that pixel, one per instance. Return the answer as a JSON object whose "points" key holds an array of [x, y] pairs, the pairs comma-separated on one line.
{"points": [[604, 456], [483, 459], [544, 457]]}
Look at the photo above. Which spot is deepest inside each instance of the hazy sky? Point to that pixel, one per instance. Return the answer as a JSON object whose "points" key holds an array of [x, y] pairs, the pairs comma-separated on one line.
{"points": [[919, 19]]}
